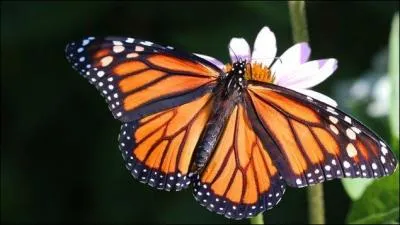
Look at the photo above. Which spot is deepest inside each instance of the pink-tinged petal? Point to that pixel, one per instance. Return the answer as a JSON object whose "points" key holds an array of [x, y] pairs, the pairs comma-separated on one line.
{"points": [[264, 47], [290, 60], [319, 96], [212, 60], [239, 49], [309, 74]]}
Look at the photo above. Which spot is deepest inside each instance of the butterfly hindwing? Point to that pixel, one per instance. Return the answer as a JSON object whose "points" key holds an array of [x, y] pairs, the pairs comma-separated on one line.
{"points": [[240, 180], [315, 142], [158, 149], [138, 78]]}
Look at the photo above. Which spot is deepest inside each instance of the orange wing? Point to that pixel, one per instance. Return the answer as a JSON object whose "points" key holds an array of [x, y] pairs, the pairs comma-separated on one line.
{"points": [[313, 141], [240, 180], [139, 78], [158, 149]]}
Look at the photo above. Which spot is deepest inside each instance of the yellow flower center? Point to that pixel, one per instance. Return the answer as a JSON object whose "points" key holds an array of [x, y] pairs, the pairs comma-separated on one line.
{"points": [[255, 71]]}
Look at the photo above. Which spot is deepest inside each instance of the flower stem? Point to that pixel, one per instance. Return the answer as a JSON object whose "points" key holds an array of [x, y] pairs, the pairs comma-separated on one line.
{"points": [[316, 211], [298, 20], [315, 194], [257, 219]]}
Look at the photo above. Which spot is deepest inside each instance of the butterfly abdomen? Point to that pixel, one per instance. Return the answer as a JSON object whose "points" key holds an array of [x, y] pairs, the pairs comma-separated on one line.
{"points": [[222, 108]]}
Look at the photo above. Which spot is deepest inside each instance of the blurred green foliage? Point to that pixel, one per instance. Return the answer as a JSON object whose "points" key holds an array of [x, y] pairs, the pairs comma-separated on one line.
{"points": [[379, 204], [59, 156], [355, 187], [393, 70]]}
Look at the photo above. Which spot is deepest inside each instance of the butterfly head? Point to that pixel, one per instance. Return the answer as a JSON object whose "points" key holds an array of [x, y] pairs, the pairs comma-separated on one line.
{"points": [[250, 71], [239, 68], [234, 77]]}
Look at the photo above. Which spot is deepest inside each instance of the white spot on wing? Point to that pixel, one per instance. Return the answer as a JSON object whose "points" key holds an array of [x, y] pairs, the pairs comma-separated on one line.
{"points": [[129, 40], [355, 129], [333, 119], [347, 119], [139, 48], [346, 164], [334, 129], [85, 42], [351, 150], [148, 43], [331, 110], [118, 48], [100, 73], [363, 167], [350, 134], [384, 150], [106, 61], [327, 167], [132, 55]]}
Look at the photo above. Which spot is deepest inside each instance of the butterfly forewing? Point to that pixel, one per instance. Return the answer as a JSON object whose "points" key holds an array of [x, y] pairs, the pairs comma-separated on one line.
{"points": [[315, 142], [138, 78]]}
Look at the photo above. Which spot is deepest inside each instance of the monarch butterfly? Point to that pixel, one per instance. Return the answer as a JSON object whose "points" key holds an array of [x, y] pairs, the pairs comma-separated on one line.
{"points": [[230, 131]]}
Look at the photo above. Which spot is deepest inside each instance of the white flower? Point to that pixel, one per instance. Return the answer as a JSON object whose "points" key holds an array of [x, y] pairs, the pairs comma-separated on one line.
{"points": [[373, 87], [381, 94], [291, 70]]}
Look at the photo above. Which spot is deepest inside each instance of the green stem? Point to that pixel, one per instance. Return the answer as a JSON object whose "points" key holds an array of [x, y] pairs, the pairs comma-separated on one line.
{"points": [[315, 193], [257, 219], [316, 211], [298, 20]]}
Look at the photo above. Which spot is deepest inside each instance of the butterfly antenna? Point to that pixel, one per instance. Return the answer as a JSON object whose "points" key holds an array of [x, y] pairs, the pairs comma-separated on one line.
{"points": [[237, 58], [278, 58], [275, 58]]}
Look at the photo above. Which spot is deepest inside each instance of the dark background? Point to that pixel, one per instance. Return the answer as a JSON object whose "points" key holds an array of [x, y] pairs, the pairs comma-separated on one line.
{"points": [[59, 156]]}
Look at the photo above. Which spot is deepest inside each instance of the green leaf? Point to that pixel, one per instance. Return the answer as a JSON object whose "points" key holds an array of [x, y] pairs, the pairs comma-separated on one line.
{"points": [[379, 204], [355, 187], [393, 71]]}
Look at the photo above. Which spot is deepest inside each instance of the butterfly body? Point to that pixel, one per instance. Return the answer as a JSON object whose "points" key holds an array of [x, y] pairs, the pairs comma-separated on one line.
{"points": [[228, 93], [233, 134]]}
